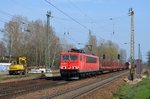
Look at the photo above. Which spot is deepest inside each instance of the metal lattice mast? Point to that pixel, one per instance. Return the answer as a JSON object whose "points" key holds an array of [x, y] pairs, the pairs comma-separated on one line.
{"points": [[139, 52], [47, 52], [131, 13]]}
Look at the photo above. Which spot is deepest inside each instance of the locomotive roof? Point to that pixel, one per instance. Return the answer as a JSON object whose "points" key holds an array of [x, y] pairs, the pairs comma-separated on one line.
{"points": [[78, 53]]}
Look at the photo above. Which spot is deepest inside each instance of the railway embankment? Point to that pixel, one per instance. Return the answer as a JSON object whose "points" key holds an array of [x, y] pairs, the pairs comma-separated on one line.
{"points": [[5, 77], [138, 89]]}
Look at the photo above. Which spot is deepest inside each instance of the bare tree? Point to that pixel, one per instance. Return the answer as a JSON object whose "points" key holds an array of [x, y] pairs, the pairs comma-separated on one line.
{"points": [[28, 39], [2, 49], [123, 55], [110, 50], [91, 47]]}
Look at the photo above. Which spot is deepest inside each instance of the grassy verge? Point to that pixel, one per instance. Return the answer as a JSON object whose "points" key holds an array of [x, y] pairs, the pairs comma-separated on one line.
{"points": [[139, 91], [1, 76], [19, 77], [34, 75]]}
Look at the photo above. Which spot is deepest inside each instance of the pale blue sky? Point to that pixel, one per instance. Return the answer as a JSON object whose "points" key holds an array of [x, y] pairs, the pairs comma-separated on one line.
{"points": [[94, 14]]}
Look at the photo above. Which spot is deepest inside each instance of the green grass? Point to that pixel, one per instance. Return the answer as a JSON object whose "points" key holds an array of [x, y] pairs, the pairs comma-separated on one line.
{"points": [[33, 75], [18, 77], [138, 91], [1, 76]]}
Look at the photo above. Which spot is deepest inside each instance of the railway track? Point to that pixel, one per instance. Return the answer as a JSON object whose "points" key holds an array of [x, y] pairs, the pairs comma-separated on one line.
{"points": [[8, 91], [14, 89], [83, 89]]}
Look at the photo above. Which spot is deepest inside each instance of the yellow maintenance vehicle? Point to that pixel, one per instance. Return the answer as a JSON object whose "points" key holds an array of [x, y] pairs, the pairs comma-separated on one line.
{"points": [[18, 67]]}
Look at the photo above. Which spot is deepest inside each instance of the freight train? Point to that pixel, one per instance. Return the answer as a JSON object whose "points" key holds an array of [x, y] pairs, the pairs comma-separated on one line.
{"points": [[75, 64]]}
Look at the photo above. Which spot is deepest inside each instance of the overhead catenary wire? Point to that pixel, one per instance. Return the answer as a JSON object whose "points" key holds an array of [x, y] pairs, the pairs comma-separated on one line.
{"points": [[10, 15], [80, 10], [68, 15], [5, 13], [62, 18], [75, 41], [23, 21], [2, 20], [65, 19]]}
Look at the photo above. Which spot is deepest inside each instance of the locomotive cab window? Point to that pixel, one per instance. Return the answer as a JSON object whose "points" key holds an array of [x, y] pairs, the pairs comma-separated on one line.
{"points": [[73, 57], [69, 57], [65, 57]]}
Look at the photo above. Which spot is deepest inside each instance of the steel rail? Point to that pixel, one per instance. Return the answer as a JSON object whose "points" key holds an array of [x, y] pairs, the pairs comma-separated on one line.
{"points": [[15, 91], [80, 90]]}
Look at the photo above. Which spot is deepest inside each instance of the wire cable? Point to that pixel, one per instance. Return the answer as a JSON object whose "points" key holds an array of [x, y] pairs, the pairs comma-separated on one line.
{"points": [[80, 10], [5, 13], [2, 20], [75, 41], [67, 15], [10, 15]]}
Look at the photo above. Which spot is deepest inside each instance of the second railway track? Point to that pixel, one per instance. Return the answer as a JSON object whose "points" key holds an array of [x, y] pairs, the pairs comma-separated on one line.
{"points": [[83, 89], [26, 87]]}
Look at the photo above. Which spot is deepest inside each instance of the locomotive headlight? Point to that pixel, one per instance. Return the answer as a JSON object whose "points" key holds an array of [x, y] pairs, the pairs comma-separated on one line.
{"points": [[75, 67], [62, 67]]}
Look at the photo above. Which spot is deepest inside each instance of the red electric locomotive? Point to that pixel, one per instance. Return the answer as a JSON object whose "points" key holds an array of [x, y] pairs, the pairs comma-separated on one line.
{"points": [[76, 63]]}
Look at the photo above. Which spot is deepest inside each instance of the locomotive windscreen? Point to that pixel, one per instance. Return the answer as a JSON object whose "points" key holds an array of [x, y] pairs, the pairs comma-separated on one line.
{"points": [[69, 57]]}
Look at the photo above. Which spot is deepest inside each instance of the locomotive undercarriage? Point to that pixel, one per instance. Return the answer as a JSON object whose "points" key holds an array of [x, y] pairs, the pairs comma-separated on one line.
{"points": [[75, 74], [69, 74]]}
